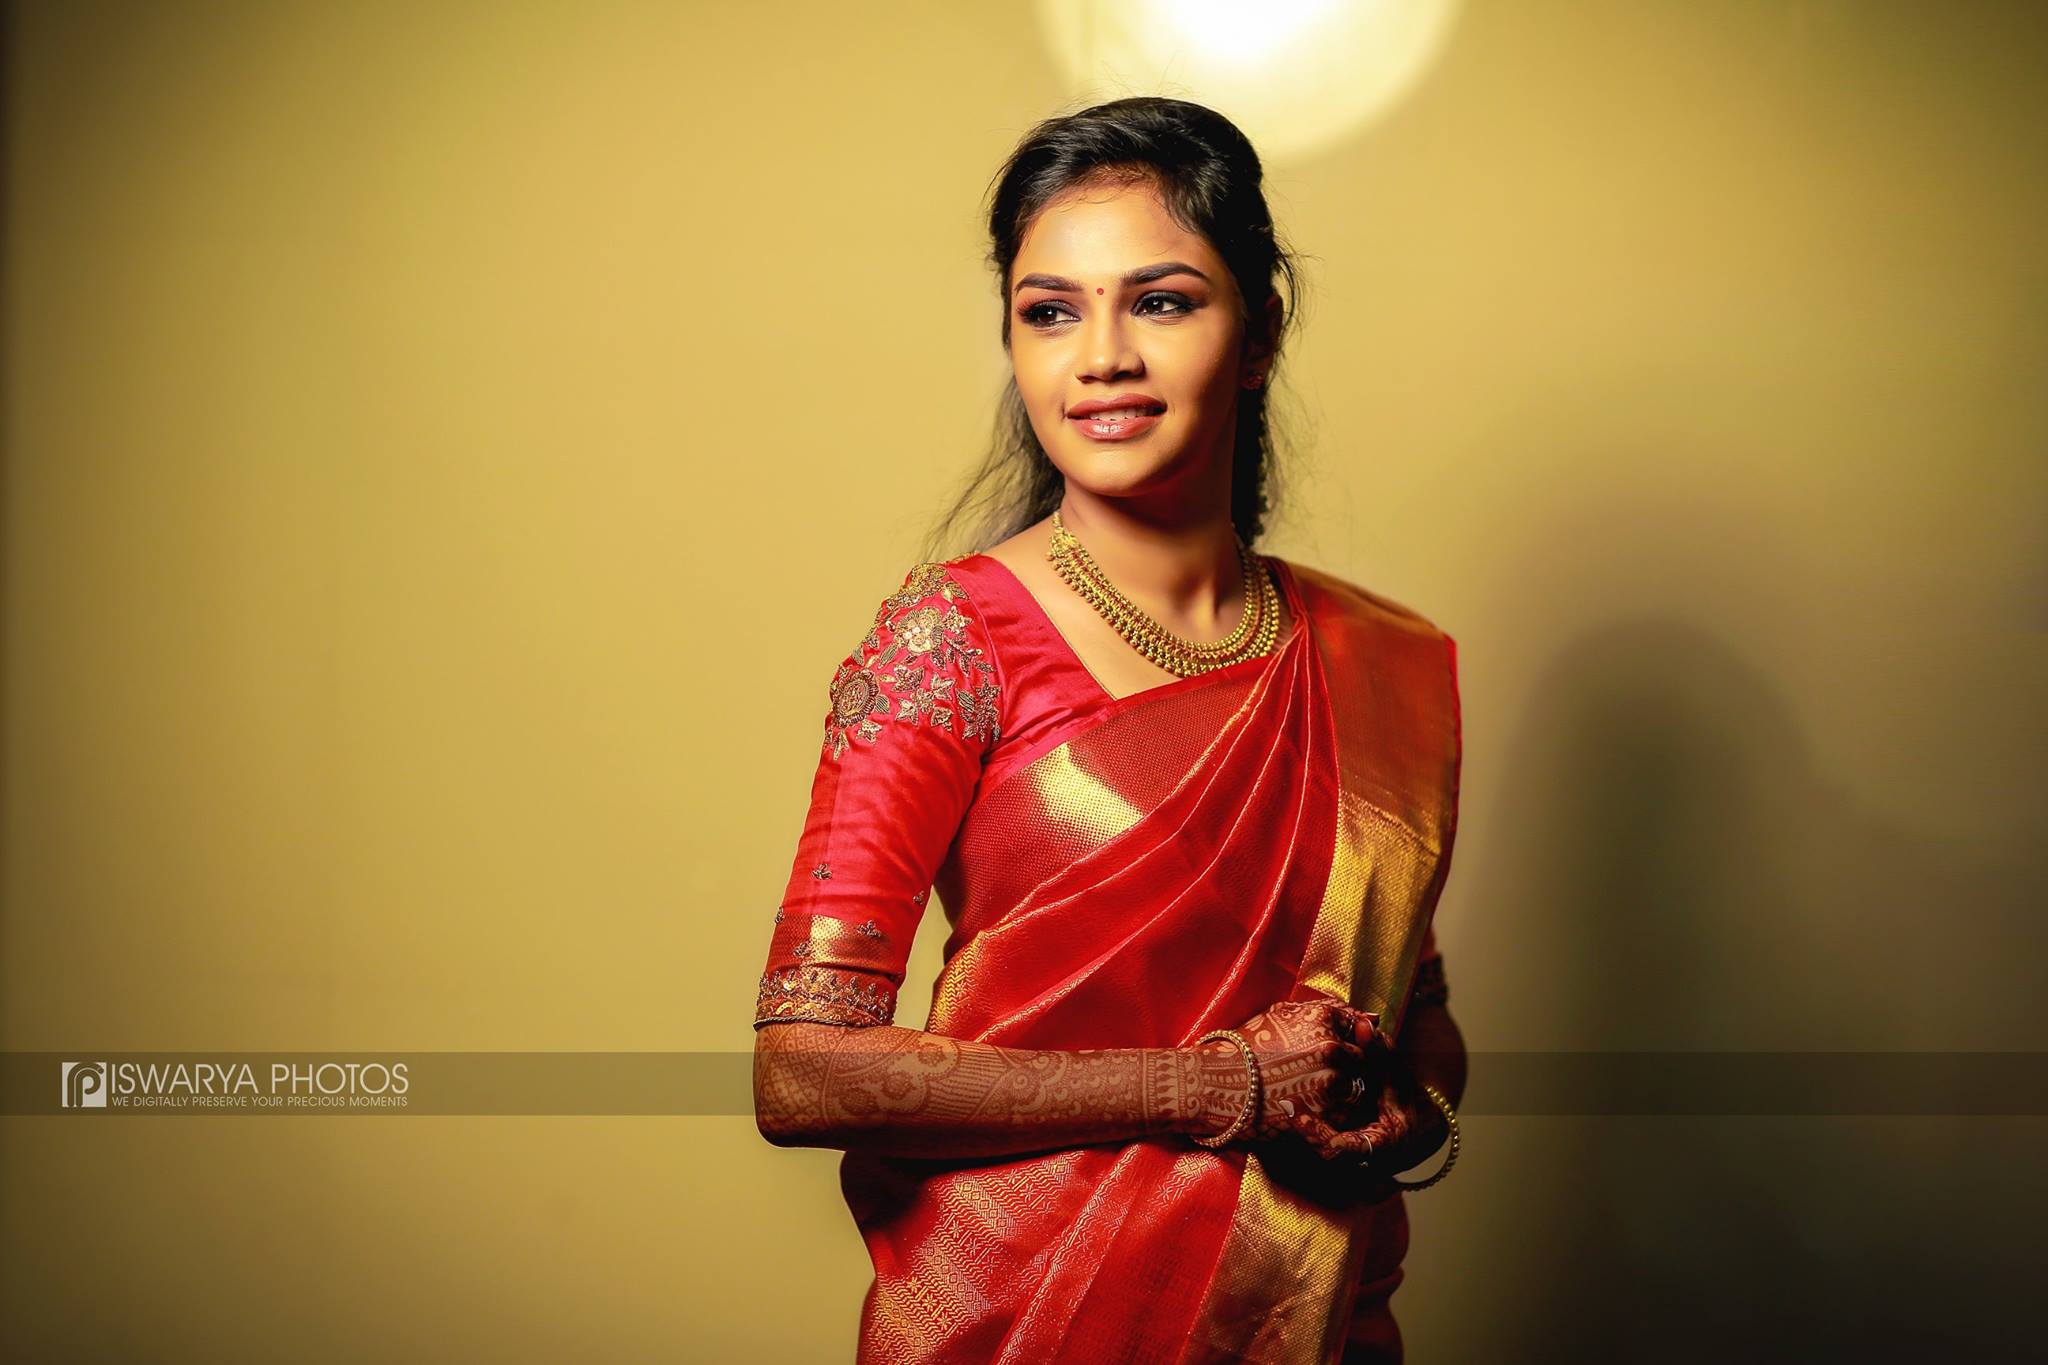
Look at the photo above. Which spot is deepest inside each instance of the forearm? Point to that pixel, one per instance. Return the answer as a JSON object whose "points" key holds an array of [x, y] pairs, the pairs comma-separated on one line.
{"points": [[1435, 1049], [901, 1092]]}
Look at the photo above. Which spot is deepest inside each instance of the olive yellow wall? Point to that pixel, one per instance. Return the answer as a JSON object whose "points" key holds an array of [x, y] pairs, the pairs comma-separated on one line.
{"points": [[448, 446]]}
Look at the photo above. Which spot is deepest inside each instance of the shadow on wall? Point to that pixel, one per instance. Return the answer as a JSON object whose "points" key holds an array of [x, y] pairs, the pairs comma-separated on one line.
{"points": [[1672, 873]]}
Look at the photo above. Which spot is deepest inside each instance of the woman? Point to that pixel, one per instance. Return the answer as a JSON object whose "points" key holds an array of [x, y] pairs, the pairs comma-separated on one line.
{"points": [[1189, 809]]}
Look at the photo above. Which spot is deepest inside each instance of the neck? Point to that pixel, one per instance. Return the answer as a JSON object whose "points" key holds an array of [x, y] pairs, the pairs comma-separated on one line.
{"points": [[1186, 570]]}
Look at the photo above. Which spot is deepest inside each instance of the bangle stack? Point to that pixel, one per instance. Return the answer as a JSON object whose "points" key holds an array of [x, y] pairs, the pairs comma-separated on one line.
{"points": [[1254, 1087], [1436, 1097]]}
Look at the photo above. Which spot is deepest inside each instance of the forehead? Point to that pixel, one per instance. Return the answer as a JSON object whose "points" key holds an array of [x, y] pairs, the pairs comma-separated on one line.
{"points": [[1105, 229]]}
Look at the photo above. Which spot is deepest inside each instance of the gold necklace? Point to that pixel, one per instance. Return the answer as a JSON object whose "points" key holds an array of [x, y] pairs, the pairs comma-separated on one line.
{"points": [[1258, 624]]}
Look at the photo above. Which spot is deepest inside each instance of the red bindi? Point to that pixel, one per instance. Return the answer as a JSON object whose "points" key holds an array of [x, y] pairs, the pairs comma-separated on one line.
{"points": [[1098, 289]]}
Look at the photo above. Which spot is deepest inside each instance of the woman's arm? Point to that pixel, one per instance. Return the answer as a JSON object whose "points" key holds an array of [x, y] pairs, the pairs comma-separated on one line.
{"points": [[901, 1092], [1434, 1050]]}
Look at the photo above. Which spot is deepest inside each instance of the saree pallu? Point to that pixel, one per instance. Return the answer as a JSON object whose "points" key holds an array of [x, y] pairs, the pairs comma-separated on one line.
{"points": [[1136, 873]]}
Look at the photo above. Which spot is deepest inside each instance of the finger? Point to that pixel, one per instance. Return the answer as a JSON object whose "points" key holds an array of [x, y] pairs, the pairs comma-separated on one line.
{"points": [[1357, 1144], [1364, 1024], [1334, 1144], [1350, 1108], [1391, 1128], [1340, 1116], [1361, 1024], [1319, 1134], [1353, 1054], [1338, 1102], [1358, 1025]]}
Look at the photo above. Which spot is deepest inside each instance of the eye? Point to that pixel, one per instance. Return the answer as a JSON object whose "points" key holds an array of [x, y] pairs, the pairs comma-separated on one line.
{"points": [[1180, 303], [1047, 314], [1035, 315]]}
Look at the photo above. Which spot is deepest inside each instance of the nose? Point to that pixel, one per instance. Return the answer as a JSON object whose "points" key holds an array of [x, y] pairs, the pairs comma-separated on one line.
{"points": [[1108, 351]]}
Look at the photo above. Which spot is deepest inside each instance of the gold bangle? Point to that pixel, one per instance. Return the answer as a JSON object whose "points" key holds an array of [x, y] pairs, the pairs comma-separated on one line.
{"points": [[1254, 1085], [1451, 1158]]}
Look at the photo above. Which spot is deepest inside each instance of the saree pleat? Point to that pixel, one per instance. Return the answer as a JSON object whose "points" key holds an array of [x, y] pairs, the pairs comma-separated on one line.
{"points": [[1201, 851], [1290, 1264]]}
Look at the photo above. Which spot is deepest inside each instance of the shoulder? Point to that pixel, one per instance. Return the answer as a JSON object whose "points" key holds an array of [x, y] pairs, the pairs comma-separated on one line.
{"points": [[932, 618], [1401, 668], [1328, 594], [925, 661], [925, 583]]}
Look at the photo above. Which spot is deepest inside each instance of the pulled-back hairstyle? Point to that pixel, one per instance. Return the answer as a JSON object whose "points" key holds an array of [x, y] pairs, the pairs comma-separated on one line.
{"points": [[1210, 180]]}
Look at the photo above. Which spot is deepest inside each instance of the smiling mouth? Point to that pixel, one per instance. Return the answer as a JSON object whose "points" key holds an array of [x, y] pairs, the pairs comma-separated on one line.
{"points": [[1121, 414], [1118, 424]]}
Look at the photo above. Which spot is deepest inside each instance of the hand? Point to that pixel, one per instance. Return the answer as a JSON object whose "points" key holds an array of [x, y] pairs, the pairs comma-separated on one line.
{"points": [[1394, 1127], [1307, 1050]]}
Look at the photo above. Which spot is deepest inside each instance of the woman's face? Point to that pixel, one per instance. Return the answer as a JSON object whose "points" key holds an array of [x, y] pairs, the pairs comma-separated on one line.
{"points": [[1111, 301]]}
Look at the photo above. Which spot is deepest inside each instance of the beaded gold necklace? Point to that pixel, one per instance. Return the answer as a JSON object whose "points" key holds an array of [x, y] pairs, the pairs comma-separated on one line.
{"points": [[1258, 625]]}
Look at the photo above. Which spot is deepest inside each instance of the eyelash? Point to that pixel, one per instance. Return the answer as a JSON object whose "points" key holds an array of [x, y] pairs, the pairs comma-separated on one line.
{"points": [[1182, 306]]}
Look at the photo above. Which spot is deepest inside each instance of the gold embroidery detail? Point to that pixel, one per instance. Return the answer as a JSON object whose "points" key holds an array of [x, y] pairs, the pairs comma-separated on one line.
{"points": [[916, 664], [778, 914], [803, 949], [921, 897], [823, 872], [870, 930], [824, 995]]}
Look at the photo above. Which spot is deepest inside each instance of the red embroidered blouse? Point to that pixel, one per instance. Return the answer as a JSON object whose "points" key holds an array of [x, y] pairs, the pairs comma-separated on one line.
{"points": [[960, 679]]}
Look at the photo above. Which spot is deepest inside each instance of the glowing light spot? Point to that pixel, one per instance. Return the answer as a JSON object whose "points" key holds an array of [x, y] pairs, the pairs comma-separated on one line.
{"points": [[1299, 76]]}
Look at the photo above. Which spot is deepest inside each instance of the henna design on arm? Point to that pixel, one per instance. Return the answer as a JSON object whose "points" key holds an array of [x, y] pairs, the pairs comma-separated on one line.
{"points": [[901, 1092]]}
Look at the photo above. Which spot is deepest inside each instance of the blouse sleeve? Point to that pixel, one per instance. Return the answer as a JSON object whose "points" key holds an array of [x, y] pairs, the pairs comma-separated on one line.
{"points": [[914, 712]]}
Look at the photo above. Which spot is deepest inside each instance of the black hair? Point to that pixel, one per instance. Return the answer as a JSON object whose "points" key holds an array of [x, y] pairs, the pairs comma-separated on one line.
{"points": [[1211, 181]]}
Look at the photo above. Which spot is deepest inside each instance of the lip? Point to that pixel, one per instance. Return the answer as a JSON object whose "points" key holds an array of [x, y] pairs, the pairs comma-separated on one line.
{"points": [[1122, 400], [1082, 415]]}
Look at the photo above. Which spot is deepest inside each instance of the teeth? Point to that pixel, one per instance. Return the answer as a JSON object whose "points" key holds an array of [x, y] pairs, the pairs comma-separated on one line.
{"points": [[1116, 414]]}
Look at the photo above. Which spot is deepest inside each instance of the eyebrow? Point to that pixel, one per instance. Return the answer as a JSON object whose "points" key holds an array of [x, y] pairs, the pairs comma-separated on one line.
{"points": [[1142, 275]]}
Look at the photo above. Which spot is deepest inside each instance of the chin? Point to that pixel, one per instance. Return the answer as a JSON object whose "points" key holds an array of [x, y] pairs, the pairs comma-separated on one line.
{"points": [[1122, 467]]}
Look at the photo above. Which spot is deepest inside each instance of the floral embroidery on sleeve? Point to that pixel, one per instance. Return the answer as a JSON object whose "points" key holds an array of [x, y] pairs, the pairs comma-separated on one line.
{"points": [[824, 995], [828, 970], [915, 707], [917, 665]]}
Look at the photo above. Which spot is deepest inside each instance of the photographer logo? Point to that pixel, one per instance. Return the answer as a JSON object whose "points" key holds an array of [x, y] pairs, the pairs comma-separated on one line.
{"points": [[85, 1085]]}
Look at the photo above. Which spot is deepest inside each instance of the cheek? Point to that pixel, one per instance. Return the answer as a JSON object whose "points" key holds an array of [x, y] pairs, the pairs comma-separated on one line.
{"points": [[1202, 359], [1038, 380]]}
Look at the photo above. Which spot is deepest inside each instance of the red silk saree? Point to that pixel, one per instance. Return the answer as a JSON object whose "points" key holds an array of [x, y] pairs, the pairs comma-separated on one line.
{"points": [[1121, 872]]}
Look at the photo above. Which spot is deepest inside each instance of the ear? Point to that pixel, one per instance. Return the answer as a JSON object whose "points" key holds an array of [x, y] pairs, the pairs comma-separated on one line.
{"points": [[1261, 342]]}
